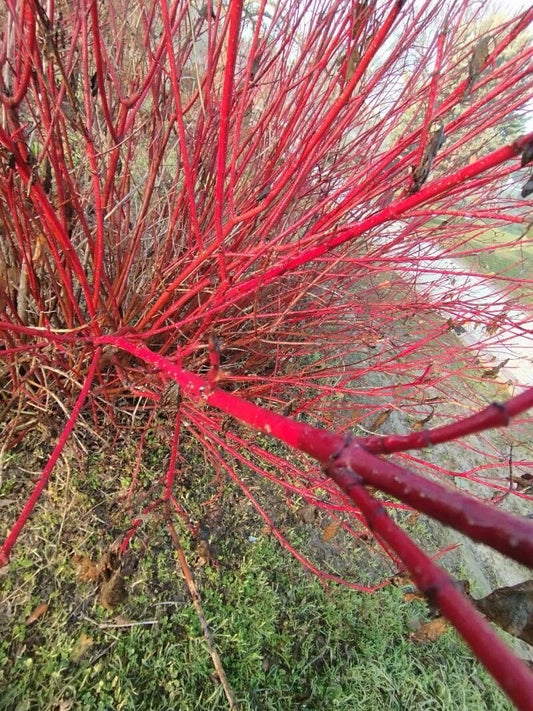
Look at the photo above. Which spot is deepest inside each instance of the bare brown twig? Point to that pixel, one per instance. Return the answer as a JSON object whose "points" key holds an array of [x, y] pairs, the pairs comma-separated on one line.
{"points": [[187, 574]]}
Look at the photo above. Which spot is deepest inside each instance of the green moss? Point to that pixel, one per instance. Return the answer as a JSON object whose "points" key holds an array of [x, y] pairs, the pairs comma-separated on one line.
{"points": [[285, 641]]}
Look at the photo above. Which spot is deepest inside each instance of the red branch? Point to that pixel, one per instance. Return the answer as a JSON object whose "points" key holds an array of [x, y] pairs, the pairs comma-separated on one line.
{"points": [[512, 674], [509, 534], [43, 479]]}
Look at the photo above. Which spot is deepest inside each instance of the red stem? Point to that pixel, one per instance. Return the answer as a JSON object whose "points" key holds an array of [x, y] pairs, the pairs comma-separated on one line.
{"points": [[235, 10], [511, 673], [509, 534], [43, 479], [29, 22]]}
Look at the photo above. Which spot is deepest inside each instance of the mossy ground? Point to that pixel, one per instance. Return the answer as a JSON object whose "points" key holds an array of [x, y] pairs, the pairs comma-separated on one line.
{"points": [[286, 640]]}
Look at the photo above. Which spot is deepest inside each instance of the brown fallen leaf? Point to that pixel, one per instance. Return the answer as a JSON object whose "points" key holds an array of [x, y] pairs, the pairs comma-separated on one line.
{"points": [[511, 608], [121, 621], [107, 573], [113, 591], [109, 563], [356, 414], [401, 579], [410, 596], [495, 324], [493, 372], [455, 327], [330, 531], [523, 482], [380, 420], [87, 570], [430, 631], [289, 407], [81, 646], [38, 612], [203, 550], [420, 424], [308, 513], [107, 356]]}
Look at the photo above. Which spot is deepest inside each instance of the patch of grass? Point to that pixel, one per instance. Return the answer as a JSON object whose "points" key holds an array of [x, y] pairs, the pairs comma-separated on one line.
{"points": [[286, 642], [514, 261]]}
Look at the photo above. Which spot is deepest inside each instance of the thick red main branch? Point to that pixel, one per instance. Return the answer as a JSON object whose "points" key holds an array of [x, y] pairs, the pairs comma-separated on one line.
{"points": [[511, 535], [512, 674]]}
